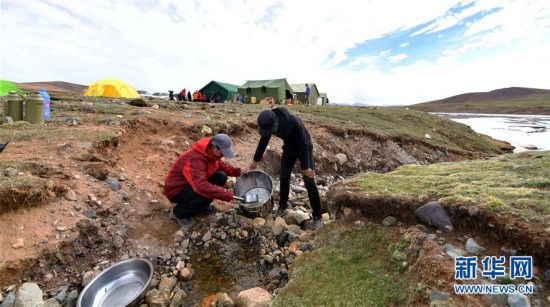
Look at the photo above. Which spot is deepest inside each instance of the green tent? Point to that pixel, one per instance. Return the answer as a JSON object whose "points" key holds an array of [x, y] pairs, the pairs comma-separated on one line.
{"points": [[7, 86], [225, 90], [259, 89]]}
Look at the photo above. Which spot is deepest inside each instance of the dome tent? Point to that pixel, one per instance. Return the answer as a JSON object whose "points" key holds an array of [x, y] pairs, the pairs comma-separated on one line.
{"points": [[7, 86], [111, 88]]}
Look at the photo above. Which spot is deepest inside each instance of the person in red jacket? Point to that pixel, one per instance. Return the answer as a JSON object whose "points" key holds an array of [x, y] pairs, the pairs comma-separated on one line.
{"points": [[198, 177]]}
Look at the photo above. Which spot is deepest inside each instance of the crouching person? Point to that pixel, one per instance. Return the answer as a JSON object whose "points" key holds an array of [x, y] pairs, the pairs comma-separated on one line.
{"points": [[198, 177]]}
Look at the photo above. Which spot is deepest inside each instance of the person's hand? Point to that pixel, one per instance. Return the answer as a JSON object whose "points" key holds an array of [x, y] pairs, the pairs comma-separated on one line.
{"points": [[308, 173], [244, 170], [253, 165]]}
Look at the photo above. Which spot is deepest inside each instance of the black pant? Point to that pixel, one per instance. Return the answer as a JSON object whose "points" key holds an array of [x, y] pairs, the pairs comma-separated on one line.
{"points": [[287, 163], [189, 202]]}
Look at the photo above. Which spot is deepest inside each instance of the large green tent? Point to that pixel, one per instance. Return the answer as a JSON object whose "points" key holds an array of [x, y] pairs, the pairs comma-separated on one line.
{"points": [[259, 89], [7, 86], [225, 90]]}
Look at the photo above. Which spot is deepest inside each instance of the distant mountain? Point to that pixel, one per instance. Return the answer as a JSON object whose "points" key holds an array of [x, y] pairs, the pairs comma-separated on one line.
{"points": [[53, 86], [512, 100]]}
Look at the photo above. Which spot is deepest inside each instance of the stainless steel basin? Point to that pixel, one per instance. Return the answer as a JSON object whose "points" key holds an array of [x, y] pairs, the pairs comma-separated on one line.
{"points": [[123, 284]]}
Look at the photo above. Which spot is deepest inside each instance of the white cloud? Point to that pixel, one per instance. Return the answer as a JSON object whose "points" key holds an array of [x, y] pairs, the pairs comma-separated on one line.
{"points": [[161, 45], [397, 58]]}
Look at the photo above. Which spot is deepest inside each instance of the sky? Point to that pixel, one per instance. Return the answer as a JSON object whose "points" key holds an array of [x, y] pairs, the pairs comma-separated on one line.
{"points": [[376, 52]]}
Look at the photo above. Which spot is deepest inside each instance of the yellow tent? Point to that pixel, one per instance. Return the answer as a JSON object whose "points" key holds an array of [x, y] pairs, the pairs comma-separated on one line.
{"points": [[111, 88]]}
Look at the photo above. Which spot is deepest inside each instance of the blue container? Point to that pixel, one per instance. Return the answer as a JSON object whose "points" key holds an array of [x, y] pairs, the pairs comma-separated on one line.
{"points": [[46, 98]]}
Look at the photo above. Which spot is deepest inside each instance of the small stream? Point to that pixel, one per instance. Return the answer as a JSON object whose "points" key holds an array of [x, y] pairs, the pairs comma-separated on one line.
{"points": [[525, 132]]}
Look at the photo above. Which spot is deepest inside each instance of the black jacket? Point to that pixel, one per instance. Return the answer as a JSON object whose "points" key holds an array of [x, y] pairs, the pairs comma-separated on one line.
{"points": [[294, 135]]}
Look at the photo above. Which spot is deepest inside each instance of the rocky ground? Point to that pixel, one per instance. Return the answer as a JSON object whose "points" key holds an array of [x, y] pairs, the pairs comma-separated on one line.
{"points": [[71, 205]]}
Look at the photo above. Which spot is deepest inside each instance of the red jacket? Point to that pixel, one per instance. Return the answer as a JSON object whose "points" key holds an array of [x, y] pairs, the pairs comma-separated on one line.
{"points": [[194, 167]]}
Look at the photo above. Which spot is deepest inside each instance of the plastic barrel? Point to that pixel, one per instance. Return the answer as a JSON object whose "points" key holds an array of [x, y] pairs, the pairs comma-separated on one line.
{"points": [[34, 109], [46, 98], [14, 105]]}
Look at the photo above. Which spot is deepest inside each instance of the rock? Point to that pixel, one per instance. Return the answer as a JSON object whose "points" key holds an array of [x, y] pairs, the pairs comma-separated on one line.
{"points": [[9, 300], [178, 297], [427, 136], [473, 248], [113, 183], [452, 251], [258, 223], [296, 217], [518, 300], [187, 274], [71, 195], [167, 283], [207, 236], [349, 214], [19, 243], [168, 142], [28, 294], [118, 241], [156, 298], [205, 130], [279, 226], [342, 158], [438, 296], [256, 297], [389, 221], [298, 189], [87, 277], [435, 215], [51, 302], [225, 301]]}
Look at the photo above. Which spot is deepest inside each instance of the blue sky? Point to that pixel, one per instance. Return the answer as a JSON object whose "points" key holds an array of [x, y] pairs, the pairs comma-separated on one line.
{"points": [[378, 52]]}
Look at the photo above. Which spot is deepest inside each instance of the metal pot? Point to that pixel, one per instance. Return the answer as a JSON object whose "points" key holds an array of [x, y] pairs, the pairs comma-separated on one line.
{"points": [[123, 284], [255, 183]]}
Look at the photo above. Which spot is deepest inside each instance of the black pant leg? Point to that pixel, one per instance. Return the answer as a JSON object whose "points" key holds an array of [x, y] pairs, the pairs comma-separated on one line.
{"points": [[189, 202], [287, 163]]}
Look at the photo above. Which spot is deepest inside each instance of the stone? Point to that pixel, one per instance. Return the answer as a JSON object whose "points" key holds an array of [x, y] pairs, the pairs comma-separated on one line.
{"points": [[28, 294], [518, 300], [51, 302], [167, 283], [473, 248], [389, 221], [342, 158], [187, 274], [87, 277], [279, 226], [435, 215], [256, 297], [19, 243], [71, 195], [113, 183], [178, 297]]}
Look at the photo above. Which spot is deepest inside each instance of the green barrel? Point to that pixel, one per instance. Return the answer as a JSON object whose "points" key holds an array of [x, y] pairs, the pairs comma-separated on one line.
{"points": [[13, 103], [34, 108]]}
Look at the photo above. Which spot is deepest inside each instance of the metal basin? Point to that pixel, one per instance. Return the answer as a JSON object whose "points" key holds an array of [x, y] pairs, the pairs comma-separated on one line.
{"points": [[123, 284], [255, 183]]}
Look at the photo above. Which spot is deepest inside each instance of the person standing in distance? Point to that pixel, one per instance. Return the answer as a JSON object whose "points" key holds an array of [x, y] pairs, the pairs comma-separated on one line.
{"points": [[297, 146], [308, 93]]}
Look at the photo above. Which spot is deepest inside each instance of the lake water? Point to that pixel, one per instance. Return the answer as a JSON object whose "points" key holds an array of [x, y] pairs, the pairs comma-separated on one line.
{"points": [[522, 131]]}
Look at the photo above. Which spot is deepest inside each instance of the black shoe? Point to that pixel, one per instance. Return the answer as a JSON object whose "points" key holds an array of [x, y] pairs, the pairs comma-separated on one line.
{"points": [[184, 223], [317, 223], [280, 212], [211, 209]]}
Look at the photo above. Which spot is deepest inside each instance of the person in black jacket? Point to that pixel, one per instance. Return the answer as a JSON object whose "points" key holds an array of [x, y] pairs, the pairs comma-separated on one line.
{"points": [[297, 146]]}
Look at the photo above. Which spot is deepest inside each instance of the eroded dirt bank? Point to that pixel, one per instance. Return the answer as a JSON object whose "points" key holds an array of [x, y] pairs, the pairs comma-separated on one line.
{"points": [[85, 202]]}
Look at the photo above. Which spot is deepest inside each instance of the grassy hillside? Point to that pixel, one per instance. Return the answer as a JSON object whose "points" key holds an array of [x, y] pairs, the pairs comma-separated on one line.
{"points": [[401, 124], [503, 101]]}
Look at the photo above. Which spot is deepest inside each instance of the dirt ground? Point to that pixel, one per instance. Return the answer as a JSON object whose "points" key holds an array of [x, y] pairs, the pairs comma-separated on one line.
{"points": [[49, 217]]}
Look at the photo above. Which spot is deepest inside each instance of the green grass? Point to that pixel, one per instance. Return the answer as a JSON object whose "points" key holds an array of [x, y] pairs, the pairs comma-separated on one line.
{"points": [[518, 184], [350, 267], [20, 132], [401, 124]]}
